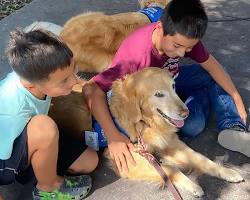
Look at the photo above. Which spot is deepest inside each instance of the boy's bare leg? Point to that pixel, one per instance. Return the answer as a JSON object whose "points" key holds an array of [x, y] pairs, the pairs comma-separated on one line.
{"points": [[42, 142], [86, 162]]}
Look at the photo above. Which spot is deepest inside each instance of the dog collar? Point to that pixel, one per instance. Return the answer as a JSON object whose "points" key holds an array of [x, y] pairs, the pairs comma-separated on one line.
{"points": [[153, 13]]}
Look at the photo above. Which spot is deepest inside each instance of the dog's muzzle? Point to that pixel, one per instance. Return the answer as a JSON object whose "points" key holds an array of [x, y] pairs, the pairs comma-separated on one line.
{"points": [[175, 122]]}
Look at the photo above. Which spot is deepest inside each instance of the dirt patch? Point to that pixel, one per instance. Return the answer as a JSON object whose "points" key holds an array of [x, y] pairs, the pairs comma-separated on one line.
{"points": [[9, 6]]}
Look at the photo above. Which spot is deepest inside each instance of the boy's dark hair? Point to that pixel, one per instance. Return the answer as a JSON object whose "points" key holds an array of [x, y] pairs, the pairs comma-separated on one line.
{"points": [[36, 54], [186, 17]]}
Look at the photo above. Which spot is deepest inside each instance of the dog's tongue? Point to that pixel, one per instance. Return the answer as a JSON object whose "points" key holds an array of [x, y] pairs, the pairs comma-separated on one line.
{"points": [[178, 123]]}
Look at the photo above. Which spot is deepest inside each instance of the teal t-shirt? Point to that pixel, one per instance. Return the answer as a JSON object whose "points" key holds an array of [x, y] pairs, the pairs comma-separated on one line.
{"points": [[17, 107]]}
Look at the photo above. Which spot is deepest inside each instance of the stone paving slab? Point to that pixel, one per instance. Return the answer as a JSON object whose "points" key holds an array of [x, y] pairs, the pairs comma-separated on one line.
{"points": [[229, 42]]}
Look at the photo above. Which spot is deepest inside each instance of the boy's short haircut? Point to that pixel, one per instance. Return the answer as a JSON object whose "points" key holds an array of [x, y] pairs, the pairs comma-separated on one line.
{"points": [[36, 54], [186, 17]]}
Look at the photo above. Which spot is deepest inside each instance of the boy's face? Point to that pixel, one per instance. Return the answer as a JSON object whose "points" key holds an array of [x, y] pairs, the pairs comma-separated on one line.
{"points": [[172, 46], [60, 83]]}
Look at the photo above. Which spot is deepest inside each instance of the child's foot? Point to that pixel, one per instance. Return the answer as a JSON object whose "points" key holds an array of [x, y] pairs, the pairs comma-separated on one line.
{"points": [[73, 187], [235, 140]]}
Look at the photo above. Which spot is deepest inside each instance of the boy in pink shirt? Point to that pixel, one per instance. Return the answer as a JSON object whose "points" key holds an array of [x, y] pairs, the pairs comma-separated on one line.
{"points": [[177, 34]]}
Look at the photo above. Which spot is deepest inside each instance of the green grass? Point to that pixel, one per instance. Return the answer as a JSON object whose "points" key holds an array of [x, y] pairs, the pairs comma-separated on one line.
{"points": [[9, 6]]}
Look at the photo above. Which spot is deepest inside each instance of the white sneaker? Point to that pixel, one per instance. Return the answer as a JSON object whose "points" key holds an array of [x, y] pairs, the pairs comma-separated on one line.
{"points": [[235, 140]]}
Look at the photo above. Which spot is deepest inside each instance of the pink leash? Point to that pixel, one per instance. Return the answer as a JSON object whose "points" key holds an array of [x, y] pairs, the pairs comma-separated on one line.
{"points": [[153, 161]]}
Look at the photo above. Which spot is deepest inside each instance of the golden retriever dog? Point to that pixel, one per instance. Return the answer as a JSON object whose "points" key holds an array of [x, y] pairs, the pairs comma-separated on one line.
{"points": [[154, 111], [94, 37]]}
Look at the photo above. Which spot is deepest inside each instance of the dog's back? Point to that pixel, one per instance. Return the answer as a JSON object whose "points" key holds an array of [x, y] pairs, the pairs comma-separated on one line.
{"points": [[94, 37]]}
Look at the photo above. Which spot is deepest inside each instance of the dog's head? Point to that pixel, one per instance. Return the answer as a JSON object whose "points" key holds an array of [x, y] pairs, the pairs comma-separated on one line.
{"points": [[148, 97], [148, 3]]}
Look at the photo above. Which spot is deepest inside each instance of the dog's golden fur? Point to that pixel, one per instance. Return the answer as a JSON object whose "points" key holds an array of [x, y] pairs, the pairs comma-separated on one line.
{"points": [[150, 109], [71, 112], [94, 37]]}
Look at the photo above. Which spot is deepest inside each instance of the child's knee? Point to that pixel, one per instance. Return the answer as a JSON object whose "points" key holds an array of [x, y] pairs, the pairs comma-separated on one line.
{"points": [[194, 126], [43, 129], [192, 130], [196, 121]]}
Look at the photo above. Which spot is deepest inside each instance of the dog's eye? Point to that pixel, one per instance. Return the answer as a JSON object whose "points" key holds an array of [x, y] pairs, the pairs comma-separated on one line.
{"points": [[159, 94]]}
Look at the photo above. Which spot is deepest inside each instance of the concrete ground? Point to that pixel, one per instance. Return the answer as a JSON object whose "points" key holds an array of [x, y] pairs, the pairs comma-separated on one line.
{"points": [[227, 38]]}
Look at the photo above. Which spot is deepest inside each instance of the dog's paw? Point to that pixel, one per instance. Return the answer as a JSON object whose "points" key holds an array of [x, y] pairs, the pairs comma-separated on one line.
{"points": [[231, 175], [197, 191], [184, 183], [193, 188]]}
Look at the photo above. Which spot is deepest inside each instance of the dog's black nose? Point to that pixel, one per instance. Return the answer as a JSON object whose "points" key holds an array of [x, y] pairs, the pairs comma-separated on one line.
{"points": [[184, 113]]}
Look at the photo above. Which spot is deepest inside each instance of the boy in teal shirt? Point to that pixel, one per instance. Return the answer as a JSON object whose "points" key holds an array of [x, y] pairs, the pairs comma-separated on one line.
{"points": [[43, 67]]}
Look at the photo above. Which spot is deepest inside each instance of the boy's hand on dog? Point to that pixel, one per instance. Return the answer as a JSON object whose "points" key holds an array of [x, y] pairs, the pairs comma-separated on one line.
{"points": [[119, 149]]}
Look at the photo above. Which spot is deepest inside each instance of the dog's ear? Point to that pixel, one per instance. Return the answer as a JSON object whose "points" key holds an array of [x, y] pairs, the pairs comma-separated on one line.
{"points": [[132, 105], [125, 102], [125, 105]]}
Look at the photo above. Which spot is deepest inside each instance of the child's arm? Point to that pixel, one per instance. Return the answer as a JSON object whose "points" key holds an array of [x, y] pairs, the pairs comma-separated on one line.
{"points": [[223, 79], [118, 144]]}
